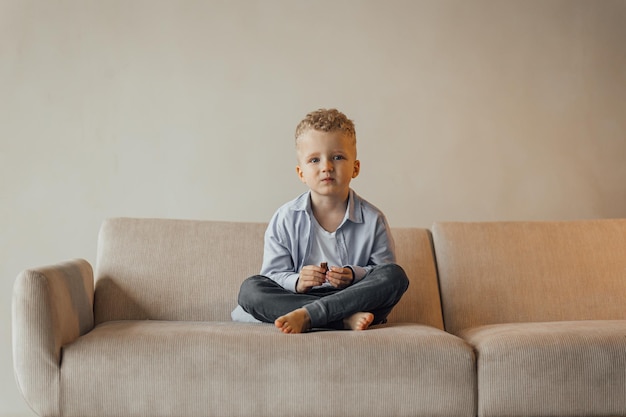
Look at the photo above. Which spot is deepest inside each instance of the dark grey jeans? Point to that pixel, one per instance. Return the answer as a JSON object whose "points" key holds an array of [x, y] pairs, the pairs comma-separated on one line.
{"points": [[377, 293]]}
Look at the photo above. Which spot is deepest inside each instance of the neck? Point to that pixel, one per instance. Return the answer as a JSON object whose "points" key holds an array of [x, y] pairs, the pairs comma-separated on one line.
{"points": [[329, 212]]}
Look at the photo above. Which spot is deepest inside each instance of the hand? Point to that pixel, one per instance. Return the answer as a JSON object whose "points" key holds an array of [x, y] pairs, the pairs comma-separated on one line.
{"points": [[339, 277], [310, 276]]}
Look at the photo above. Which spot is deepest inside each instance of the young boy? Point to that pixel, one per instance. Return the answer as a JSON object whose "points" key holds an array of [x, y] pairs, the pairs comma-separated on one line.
{"points": [[328, 225]]}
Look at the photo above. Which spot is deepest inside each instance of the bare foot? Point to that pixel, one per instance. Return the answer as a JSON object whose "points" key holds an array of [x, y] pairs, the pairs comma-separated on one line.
{"points": [[298, 321], [358, 321]]}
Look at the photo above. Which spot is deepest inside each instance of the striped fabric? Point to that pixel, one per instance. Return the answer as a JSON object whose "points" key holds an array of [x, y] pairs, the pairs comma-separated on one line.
{"points": [[575, 368], [163, 269], [155, 338], [542, 303], [511, 272], [167, 368], [534, 313], [52, 306]]}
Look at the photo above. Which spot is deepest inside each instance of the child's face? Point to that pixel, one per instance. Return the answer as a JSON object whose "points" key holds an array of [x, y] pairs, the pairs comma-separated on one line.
{"points": [[327, 162]]}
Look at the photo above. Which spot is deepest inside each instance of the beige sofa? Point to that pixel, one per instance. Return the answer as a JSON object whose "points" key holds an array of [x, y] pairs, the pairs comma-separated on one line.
{"points": [[534, 326]]}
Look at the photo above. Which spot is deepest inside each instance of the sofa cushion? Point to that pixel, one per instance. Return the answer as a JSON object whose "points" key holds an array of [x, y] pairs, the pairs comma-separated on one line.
{"points": [[164, 269], [421, 302], [158, 368], [507, 272], [551, 369]]}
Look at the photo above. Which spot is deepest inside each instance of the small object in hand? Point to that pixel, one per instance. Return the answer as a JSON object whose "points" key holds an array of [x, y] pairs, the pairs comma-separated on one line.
{"points": [[324, 265]]}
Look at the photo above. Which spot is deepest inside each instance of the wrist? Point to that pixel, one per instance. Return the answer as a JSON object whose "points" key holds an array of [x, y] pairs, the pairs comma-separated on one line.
{"points": [[353, 274]]}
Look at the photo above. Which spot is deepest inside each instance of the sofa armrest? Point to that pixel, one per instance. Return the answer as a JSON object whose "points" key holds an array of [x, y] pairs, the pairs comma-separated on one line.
{"points": [[52, 306]]}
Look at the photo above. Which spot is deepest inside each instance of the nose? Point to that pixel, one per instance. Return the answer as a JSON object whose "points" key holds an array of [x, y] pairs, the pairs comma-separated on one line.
{"points": [[327, 165]]}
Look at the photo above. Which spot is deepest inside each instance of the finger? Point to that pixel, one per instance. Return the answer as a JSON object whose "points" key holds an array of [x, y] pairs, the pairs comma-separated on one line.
{"points": [[316, 279], [313, 269], [337, 274]]}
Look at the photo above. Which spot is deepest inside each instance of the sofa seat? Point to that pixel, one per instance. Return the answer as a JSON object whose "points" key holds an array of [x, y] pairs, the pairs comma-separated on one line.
{"points": [[165, 368], [569, 368]]}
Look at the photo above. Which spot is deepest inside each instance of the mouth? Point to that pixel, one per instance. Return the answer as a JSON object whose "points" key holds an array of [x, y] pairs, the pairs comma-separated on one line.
{"points": [[328, 179]]}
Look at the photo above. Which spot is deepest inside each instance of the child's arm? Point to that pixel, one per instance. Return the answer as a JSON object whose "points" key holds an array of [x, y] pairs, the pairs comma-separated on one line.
{"points": [[278, 263], [382, 252], [282, 253]]}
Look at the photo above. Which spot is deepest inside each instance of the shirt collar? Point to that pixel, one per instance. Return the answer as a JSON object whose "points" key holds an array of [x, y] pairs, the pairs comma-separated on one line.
{"points": [[355, 212]]}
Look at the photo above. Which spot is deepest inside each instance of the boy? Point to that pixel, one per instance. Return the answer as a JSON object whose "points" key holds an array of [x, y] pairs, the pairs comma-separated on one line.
{"points": [[328, 225]]}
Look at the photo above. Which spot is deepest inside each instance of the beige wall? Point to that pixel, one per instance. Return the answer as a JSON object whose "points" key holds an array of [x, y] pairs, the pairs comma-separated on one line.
{"points": [[465, 110]]}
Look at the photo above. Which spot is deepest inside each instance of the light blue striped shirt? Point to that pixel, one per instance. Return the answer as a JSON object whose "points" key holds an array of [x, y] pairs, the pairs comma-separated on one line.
{"points": [[363, 240]]}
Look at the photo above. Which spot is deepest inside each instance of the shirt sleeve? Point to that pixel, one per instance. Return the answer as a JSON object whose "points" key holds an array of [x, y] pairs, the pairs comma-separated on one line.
{"points": [[278, 262], [383, 250]]}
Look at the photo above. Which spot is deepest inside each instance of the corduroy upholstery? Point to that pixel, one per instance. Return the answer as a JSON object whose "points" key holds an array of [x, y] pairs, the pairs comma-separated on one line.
{"points": [[160, 341], [570, 368], [543, 305], [146, 267], [52, 306], [533, 311], [161, 269], [169, 368]]}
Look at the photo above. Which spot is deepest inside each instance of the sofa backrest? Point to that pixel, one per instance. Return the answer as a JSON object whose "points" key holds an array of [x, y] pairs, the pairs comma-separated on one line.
{"points": [[164, 269], [421, 302], [161, 269], [507, 272]]}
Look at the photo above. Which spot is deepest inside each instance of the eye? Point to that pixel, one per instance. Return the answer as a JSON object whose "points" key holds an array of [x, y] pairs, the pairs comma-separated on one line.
{"points": [[314, 160], [338, 157]]}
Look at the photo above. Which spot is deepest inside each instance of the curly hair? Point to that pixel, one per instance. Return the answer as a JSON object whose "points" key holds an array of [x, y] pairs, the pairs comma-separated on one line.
{"points": [[326, 120]]}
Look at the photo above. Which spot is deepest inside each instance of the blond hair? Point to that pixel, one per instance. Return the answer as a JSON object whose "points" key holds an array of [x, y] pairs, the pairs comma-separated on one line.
{"points": [[326, 120]]}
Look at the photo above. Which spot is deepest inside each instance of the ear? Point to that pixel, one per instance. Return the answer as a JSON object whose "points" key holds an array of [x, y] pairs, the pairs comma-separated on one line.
{"points": [[300, 174], [357, 168]]}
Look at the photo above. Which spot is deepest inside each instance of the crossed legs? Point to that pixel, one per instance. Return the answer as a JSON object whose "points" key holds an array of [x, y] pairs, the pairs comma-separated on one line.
{"points": [[367, 302]]}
